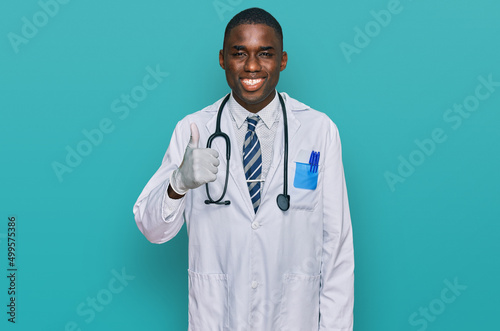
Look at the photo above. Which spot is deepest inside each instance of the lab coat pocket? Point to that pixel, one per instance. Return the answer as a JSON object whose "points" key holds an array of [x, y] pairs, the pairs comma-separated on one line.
{"points": [[304, 193], [300, 303], [208, 302], [304, 177]]}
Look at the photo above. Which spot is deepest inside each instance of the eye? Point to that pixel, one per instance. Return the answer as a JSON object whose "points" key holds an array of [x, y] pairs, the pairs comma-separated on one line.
{"points": [[266, 54], [238, 54]]}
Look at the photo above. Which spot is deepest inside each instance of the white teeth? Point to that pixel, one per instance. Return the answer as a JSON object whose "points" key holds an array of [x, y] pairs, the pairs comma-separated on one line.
{"points": [[252, 81]]}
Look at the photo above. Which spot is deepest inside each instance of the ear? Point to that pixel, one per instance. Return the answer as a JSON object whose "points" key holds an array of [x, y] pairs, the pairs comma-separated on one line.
{"points": [[284, 61], [221, 59]]}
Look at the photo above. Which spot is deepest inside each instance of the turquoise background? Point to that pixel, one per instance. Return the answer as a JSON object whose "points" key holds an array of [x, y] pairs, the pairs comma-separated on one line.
{"points": [[441, 224]]}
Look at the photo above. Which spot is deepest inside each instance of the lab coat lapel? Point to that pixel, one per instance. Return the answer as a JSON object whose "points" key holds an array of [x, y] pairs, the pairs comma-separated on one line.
{"points": [[279, 148], [236, 172]]}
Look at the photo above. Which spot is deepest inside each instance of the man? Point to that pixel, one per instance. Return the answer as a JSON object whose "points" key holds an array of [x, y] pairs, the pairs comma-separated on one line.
{"points": [[254, 265]]}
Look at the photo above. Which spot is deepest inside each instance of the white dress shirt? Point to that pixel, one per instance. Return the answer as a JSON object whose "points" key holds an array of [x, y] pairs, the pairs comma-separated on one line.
{"points": [[265, 130]]}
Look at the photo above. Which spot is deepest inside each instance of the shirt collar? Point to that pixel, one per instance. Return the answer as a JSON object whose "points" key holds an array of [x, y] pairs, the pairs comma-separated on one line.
{"points": [[268, 114]]}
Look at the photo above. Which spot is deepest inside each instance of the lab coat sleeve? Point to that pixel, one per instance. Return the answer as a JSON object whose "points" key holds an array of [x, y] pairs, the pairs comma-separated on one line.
{"points": [[158, 216], [337, 267]]}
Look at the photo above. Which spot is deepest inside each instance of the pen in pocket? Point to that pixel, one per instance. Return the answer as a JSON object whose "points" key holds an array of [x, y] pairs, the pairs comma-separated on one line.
{"points": [[314, 161]]}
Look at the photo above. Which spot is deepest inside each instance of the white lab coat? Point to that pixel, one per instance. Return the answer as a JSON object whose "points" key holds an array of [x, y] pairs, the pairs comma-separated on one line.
{"points": [[272, 270]]}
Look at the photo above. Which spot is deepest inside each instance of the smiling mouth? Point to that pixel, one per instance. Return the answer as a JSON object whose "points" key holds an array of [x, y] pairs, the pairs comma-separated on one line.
{"points": [[252, 84]]}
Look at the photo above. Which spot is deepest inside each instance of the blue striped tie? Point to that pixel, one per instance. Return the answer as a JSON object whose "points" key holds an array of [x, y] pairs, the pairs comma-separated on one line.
{"points": [[252, 161]]}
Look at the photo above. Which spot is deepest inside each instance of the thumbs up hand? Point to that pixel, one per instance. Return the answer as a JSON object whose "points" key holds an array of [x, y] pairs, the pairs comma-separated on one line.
{"points": [[198, 167]]}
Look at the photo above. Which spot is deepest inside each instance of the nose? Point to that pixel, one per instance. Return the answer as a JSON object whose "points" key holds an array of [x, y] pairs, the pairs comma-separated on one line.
{"points": [[252, 64]]}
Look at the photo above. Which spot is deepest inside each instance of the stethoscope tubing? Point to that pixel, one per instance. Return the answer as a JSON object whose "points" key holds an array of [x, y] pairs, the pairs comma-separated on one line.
{"points": [[219, 133], [283, 200]]}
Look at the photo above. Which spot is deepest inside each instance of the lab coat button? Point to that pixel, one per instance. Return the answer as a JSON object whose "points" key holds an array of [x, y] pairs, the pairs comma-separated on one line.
{"points": [[255, 284], [255, 225]]}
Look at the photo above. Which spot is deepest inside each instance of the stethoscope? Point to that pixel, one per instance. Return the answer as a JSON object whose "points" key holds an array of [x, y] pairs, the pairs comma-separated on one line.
{"points": [[283, 199]]}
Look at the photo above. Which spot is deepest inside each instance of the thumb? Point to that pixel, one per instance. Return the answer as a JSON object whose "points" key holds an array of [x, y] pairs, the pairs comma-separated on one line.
{"points": [[195, 136]]}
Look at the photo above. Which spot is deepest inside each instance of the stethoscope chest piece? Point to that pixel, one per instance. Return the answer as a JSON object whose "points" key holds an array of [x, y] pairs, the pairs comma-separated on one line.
{"points": [[283, 201]]}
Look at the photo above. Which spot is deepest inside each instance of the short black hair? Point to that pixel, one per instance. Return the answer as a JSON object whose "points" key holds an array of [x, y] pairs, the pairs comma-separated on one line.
{"points": [[254, 16]]}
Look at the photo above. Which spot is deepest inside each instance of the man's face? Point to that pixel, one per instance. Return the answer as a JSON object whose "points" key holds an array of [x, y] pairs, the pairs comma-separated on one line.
{"points": [[253, 59]]}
